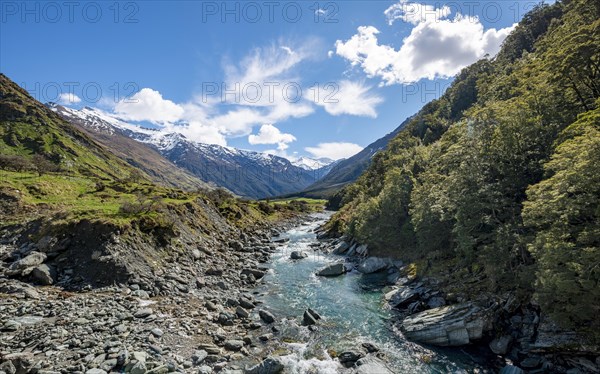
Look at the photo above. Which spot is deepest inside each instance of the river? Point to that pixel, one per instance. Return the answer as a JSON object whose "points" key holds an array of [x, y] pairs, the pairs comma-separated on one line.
{"points": [[352, 308]]}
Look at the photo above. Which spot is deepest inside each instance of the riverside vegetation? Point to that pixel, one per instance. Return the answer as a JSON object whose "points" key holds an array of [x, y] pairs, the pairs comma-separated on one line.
{"points": [[494, 188]]}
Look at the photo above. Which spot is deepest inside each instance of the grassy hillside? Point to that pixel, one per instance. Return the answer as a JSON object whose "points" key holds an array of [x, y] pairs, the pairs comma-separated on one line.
{"points": [[52, 170], [498, 176], [33, 137]]}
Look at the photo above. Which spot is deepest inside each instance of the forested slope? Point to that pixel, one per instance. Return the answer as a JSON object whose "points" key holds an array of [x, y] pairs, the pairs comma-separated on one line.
{"points": [[501, 174]]}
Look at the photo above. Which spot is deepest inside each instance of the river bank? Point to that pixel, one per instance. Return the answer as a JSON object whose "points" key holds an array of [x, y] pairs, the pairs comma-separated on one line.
{"points": [[510, 335], [96, 299]]}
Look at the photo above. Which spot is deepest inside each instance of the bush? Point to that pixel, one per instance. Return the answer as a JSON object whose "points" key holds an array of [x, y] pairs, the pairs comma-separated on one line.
{"points": [[15, 163], [141, 205]]}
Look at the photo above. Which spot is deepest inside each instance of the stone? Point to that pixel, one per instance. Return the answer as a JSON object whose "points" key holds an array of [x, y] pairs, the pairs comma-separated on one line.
{"points": [[341, 248], [11, 325], [332, 270], [234, 345], [403, 297], [199, 356], [509, 369], [204, 369], [157, 332], [211, 349], [226, 319], [298, 255], [43, 274], [500, 345], [372, 265], [370, 347], [196, 254], [308, 319], [241, 312], [141, 294], [95, 371], [143, 313], [266, 316], [316, 315], [453, 325], [362, 250], [370, 365], [348, 358], [33, 259], [246, 303], [270, 365]]}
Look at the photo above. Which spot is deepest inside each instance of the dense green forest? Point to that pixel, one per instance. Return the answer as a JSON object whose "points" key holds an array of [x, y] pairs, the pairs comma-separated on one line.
{"points": [[502, 173]]}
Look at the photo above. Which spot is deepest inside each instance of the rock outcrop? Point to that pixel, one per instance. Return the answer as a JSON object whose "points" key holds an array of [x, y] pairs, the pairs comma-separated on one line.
{"points": [[453, 325]]}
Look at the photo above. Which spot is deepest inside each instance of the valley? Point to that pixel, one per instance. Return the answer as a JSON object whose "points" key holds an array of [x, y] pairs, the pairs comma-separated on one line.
{"points": [[153, 236]]}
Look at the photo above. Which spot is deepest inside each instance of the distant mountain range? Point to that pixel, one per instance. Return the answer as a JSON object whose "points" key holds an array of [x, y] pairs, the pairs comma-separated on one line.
{"points": [[347, 171], [245, 173]]}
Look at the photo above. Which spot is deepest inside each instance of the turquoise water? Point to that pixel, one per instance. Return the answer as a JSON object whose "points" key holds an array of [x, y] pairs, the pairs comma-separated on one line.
{"points": [[352, 308]]}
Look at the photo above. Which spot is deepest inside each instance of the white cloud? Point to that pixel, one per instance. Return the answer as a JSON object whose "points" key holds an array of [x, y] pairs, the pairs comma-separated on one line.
{"points": [[269, 134], [435, 48], [68, 98], [352, 98], [334, 151], [415, 13], [149, 105]]}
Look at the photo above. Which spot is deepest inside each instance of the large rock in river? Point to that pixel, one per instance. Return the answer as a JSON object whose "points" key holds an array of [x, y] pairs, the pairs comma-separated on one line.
{"points": [[453, 325], [332, 270]]}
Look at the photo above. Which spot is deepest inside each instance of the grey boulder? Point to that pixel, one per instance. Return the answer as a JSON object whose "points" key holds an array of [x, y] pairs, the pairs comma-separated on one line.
{"points": [[298, 255], [31, 260], [332, 270], [341, 248], [43, 274], [271, 365]]}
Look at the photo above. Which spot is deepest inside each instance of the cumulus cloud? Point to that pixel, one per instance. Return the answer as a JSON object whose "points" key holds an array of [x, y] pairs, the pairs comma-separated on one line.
{"points": [[68, 98], [436, 47], [415, 13], [149, 105], [352, 98], [269, 134], [334, 151]]}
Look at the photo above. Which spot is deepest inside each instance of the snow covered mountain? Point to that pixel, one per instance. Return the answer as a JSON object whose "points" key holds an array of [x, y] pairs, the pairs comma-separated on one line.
{"points": [[308, 163], [246, 173]]}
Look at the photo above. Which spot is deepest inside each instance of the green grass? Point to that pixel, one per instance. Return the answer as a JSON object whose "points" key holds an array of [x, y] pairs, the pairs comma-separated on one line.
{"points": [[83, 197]]}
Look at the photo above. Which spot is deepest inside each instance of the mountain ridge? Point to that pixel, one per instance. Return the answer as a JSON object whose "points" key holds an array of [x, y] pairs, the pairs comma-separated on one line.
{"points": [[245, 173]]}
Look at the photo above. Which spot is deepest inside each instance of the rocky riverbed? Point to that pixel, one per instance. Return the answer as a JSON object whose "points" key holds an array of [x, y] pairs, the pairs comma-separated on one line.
{"points": [[188, 307], [274, 299]]}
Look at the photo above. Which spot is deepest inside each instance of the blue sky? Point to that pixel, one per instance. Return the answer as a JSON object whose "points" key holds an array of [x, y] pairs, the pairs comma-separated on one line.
{"points": [[320, 79]]}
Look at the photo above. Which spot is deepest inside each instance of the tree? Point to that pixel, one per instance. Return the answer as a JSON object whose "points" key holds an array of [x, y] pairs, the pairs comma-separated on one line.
{"points": [[564, 212]]}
